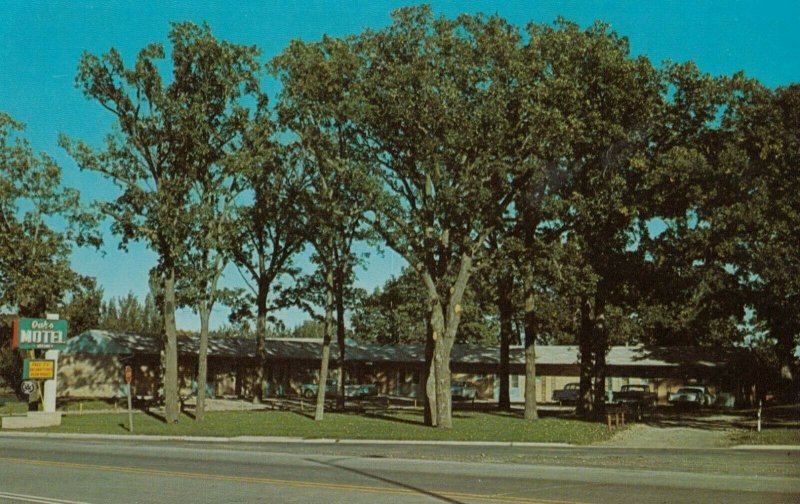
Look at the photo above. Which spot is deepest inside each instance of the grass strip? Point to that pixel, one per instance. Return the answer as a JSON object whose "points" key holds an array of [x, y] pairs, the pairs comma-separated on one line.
{"points": [[384, 425]]}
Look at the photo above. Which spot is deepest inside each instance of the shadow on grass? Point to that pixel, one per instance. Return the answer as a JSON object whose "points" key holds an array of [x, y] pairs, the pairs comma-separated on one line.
{"points": [[153, 414], [74, 403], [541, 415], [417, 490], [712, 420], [382, 416], [303, 414], [124, 427]]}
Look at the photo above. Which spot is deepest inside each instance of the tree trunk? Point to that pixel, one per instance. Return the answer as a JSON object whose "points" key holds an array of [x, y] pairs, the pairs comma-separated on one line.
{"points": [[600, 347], [531, 412], [202, 363], [261, 341], [444, 325], [441, 371], [427, 377], [785, 352], [171, 404], [340, 397], [326, 348], [505, 309], [585, 402]]}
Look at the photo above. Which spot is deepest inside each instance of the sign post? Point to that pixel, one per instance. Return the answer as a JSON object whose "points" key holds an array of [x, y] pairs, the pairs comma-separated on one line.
{"points": [[128, 380], [50, 384], [49, 334]]}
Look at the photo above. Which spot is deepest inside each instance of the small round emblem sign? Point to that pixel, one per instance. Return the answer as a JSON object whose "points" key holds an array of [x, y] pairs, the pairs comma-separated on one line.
{"points": [[28, 387]]}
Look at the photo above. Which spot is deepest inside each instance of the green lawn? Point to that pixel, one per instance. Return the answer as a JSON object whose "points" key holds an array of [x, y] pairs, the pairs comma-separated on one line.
{"points": [[11, 407], [15, 406], [393, 425]]}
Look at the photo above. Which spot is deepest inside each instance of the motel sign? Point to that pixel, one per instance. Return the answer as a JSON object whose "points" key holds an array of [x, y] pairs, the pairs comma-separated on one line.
{"points": [[31, 334]]}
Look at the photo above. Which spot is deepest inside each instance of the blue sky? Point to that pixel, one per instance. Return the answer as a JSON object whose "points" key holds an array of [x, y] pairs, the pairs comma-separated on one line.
{"points": [[40, 43]]}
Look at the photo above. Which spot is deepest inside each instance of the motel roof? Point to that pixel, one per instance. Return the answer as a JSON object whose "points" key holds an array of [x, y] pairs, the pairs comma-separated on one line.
{"points": [[560, 359]]}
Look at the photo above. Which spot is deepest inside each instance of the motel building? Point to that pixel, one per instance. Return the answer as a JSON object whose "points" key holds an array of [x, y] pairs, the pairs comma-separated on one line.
{"points": [[92, 365]]}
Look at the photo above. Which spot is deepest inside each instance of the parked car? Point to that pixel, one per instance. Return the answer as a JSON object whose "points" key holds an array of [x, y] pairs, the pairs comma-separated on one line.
{"points": [[638, 396], [361, 390], [309, 390], [567, 395], [696, 396], [354, 390], [463, 390]]}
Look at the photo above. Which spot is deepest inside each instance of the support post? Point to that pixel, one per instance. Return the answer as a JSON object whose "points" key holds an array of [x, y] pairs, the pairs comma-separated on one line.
{"points": [[50, 386], [130, 410], [759, 416]]}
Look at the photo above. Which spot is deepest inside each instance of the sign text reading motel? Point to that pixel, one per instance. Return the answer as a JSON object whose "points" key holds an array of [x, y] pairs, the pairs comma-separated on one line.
{"points": [[31, 334]]}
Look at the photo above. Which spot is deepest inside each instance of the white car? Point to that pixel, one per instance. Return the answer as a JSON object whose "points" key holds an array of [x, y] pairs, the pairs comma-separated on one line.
{"points": [[692, 396], [463, 390]]}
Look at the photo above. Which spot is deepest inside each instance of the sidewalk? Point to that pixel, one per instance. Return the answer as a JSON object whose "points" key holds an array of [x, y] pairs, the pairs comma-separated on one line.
{"points": [[376, 442]]}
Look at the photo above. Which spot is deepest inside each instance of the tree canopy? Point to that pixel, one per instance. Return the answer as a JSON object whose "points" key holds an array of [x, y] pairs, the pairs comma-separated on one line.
{"points": [[536, 180]]}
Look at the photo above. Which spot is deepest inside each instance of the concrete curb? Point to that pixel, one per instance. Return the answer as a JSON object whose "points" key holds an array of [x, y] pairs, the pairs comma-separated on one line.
{"points": [[767, 447], [331, 441], [276, 439]]}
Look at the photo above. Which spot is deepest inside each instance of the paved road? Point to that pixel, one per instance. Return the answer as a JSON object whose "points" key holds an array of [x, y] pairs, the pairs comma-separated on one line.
{"points": [[43, 470]]}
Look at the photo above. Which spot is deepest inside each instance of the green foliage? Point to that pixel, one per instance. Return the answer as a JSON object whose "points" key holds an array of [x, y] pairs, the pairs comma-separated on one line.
{"points": [[444, 162], [612, 200], [169, 135], [395, 314], [128, 314], [314, 329], [83, 310], [690, 294], [315, 105], [35, 271], [270, 229], [10, 359]]}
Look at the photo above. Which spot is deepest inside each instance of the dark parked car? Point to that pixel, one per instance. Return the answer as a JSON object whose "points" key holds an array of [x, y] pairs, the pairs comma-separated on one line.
{"points": [[567, 395], [635, 396]]}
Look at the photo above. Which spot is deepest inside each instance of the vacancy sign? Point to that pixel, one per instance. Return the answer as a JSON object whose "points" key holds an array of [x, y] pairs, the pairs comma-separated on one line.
{"points": [[30, 334], [38, 369]]}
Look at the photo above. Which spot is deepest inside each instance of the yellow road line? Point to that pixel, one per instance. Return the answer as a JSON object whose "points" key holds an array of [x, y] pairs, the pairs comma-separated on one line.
{"points": [[280, 482]]}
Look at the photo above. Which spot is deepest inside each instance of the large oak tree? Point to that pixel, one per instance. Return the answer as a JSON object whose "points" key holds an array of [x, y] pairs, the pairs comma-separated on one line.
{"points": [[167, 133]]}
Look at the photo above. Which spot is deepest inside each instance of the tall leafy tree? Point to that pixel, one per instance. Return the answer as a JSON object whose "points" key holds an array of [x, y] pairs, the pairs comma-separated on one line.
{"points": [[269, 229], [689, 297], [316, 105], [35, 270], [438, 99], [40, 223], [771, 137], [150, 154], [738, 238], [611, 102], [212, 105]]}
